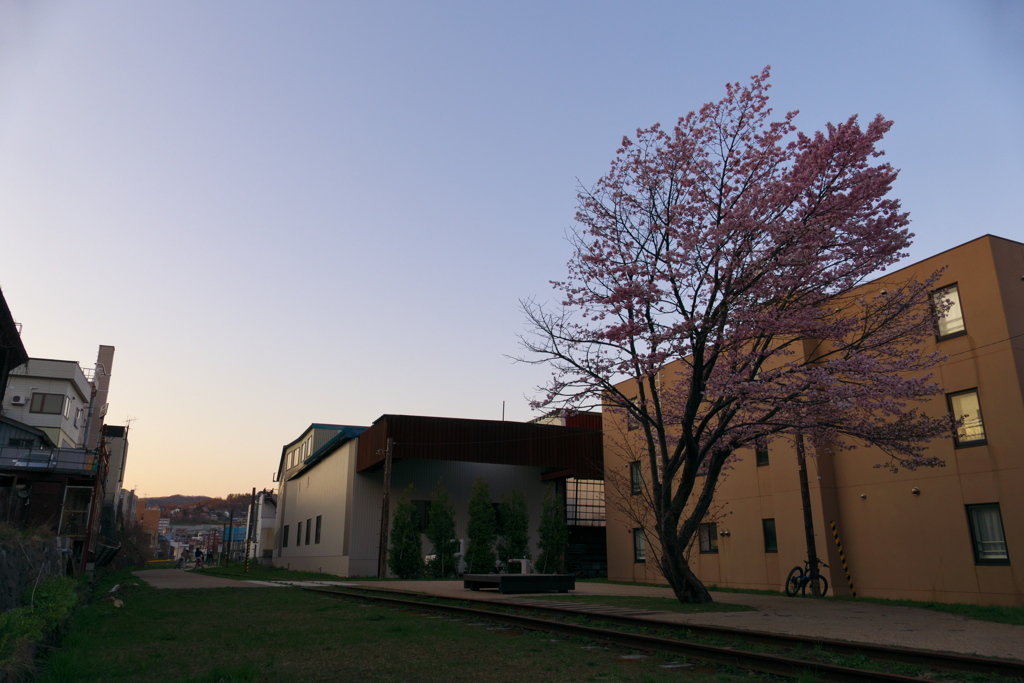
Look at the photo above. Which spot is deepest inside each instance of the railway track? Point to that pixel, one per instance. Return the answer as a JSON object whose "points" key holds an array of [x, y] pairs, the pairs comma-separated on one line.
{"points": [[779, 663]]}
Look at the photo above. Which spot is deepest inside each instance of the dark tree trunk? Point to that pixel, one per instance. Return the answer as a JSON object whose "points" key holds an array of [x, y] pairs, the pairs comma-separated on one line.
{"points": [[805, 501], [685, 584]]}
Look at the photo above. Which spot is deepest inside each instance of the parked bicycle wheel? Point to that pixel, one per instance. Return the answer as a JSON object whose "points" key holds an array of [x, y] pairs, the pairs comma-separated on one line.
{"points": [[822, 586], [794, 581]]}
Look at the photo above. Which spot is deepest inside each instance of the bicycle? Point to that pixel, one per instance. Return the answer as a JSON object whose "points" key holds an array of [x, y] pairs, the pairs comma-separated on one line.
{"points": [[798, 580]]}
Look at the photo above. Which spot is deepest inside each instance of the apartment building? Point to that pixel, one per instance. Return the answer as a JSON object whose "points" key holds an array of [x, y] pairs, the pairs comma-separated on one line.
{"points": [[952, 534]]}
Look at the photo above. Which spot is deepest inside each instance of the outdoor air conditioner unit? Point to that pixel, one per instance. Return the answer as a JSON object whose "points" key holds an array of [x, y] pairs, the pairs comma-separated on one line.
{"points": [[18, 400]]}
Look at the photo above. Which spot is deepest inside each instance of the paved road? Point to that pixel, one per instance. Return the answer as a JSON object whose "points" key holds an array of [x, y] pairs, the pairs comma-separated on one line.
{"points": [[176, 578], [833, 619]]}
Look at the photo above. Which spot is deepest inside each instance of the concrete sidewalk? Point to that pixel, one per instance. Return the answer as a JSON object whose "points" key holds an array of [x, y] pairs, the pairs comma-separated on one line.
{"points": [[850, 620], [178, 578]]}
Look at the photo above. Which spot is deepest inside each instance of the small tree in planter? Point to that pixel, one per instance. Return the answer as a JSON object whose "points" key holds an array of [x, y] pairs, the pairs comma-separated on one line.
{"points": [[406, 553], [554, 534], [514, 528], [482, 529], [441, 534]]}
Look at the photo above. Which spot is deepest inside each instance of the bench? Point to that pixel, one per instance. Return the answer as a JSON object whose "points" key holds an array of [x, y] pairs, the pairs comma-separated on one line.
{"points": [[521, 583]]}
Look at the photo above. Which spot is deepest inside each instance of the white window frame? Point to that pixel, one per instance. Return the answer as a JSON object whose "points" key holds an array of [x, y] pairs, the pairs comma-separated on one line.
{"points": [[987, 536], [949, 317], [639, 546], [972, 431]]}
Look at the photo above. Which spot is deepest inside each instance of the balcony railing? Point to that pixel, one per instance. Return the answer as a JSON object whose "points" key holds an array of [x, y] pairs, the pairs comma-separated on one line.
{"points": [[55, 460]]}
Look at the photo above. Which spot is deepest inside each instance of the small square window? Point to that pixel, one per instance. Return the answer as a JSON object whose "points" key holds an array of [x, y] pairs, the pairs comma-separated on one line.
{"points": [[708, 538], [949, 317], [631, 420], [639, 546], [319, 518], [761, 451], [965, 405], [987, 534], [636, 478], [771, 543]]}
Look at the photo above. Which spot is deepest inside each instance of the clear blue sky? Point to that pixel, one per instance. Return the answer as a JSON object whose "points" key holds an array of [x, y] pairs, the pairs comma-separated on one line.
{"points": [[285, 213]]}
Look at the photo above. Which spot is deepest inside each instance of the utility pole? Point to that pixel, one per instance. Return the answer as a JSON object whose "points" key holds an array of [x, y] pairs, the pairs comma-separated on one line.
{"points": [[231, 533], [805, 501], [382, 557], [249, 527]]}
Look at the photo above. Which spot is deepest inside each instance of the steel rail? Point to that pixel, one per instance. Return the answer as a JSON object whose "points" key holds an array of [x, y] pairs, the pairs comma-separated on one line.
{"points": [[941, 661], [763, 663]]}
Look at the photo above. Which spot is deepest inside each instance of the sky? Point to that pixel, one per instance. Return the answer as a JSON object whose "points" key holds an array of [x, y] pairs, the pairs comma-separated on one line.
{"points": [[283, 213]]}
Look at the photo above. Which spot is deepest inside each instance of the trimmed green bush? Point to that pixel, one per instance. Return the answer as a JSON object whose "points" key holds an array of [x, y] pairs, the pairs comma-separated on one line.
{"points": [[554, 535], [405, 556], [441, 534], [513, 528]]}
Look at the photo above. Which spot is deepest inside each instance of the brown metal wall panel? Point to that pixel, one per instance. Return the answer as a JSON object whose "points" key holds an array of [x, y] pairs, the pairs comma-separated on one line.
{"points": [[584, 420], [483, 441]]}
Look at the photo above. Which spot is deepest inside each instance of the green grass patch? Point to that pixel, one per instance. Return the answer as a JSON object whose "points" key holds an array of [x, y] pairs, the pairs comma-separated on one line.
{"points": [[262, 634], [46, 609], [650, 603]]}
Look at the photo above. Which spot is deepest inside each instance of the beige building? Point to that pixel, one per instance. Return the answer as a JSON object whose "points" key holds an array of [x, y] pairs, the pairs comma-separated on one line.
{"points": [[949, 534]]}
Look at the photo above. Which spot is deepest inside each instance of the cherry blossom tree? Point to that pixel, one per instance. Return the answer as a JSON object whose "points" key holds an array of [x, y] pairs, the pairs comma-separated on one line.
{"points": [[726, 268]]}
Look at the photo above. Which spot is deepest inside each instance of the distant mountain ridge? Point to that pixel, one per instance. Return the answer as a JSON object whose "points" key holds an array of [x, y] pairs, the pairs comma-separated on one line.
{"points": [[176, 500]]}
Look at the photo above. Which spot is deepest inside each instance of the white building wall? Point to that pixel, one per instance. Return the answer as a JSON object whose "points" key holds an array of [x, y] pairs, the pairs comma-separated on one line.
{"points": [[43, 376], [318, 492]]}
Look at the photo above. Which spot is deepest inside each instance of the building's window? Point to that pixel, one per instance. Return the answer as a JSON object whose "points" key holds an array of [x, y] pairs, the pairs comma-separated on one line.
{"points": [[319, 518], [78, 416], [639, 546], [636, 478], [966, 406], [702, 468], [298, 534], [309, 528], [761, 451], [67, 409], [584, 502], [284, 537], [771, 543], [631, 420], [949, 317], [987, 534], [76, 511], [20, 443], [708, 538], [49, 404]]}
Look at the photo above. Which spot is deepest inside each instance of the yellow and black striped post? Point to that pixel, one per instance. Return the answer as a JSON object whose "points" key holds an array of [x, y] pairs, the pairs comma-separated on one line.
{"points": [[842, 557]]}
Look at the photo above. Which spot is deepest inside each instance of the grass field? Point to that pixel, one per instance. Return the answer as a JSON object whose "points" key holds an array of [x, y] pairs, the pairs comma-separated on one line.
{"points": [[284, 634]]}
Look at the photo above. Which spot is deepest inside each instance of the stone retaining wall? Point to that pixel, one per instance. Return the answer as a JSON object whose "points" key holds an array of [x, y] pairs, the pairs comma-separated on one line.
{"points": [[22, 563]]}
